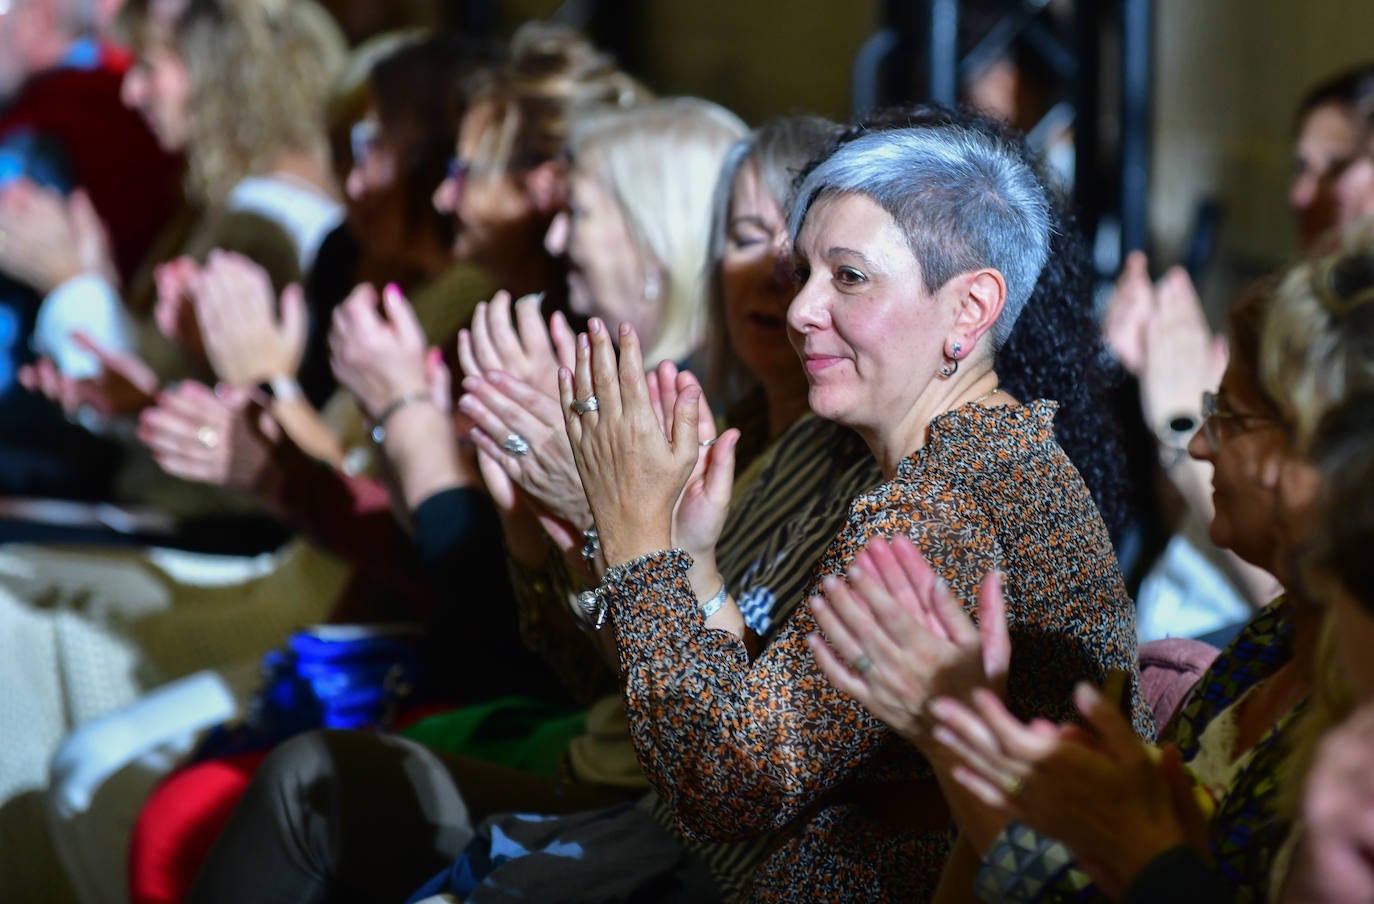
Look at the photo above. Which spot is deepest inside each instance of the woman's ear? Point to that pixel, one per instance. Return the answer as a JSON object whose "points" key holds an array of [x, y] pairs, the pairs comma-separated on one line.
{"points": [[981, 296], [547, 186]]}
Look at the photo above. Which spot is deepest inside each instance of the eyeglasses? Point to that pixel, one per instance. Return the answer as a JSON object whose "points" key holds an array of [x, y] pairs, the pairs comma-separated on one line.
{"points": [[362, 139], [458, 171], [1220, 423]]}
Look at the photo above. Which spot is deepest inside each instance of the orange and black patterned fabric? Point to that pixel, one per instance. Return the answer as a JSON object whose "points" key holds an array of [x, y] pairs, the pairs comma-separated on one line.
{"points": [[739, 748]]}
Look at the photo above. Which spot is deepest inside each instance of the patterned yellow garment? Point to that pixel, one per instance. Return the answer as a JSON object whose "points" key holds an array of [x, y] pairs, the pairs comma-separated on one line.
{"points": [[740, 748]]}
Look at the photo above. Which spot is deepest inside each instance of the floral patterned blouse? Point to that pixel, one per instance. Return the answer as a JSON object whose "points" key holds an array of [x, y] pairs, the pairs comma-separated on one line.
{"points": [[740, 748]]}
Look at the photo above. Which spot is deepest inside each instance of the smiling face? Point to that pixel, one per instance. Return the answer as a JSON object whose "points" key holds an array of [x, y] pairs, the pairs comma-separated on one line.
{"points": [[756, 283], [870, 336], [158, 85], [1245, 473]]}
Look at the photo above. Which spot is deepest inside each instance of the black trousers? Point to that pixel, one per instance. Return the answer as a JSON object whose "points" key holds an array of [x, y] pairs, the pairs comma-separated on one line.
{"points": [[345, 816]]}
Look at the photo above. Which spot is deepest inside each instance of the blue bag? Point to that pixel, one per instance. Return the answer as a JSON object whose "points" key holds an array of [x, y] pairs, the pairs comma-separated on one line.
{"points": [[329, 676]]}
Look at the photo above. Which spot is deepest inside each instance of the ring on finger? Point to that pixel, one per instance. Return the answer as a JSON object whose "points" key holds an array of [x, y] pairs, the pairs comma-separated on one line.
{"points": [[207, 436], [516, 445], [862, 664], [1012, 786], [581, 407]]}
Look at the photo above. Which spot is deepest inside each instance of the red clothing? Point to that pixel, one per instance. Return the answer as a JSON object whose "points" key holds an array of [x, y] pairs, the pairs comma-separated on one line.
{"points": [[134, 184]]}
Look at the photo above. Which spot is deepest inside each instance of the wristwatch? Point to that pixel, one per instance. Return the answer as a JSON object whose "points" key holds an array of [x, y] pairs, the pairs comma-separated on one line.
{"points": [[1173, 436], [281, 389]]}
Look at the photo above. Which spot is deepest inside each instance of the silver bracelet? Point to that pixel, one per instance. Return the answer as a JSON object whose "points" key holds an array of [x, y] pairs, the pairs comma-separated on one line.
{"points": [[713, 605], [592, 606], [591, 545]]}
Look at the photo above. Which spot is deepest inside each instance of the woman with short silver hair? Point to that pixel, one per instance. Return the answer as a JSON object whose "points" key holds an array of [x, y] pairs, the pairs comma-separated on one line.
{"points": [[915, 251]]}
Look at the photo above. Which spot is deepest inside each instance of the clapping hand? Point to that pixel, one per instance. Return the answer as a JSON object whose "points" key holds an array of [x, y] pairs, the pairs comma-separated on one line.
{"points": [[245, 338], [897, 639], [378, 355], [124, 385], [632, 473]]}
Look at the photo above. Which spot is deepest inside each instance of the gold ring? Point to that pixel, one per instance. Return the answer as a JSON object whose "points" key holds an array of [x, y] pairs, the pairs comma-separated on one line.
{"points": [[1012, 786], [208, 437]]}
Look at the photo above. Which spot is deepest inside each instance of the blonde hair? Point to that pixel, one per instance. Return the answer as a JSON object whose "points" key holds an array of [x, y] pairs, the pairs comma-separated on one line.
{"points": [[1317, 351], [261, 74], [1317, 346], [660, 162], [552, 75]]}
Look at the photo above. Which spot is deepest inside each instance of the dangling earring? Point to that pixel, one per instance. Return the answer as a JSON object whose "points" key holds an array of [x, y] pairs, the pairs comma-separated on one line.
{"points": [[653, 285], [952, 368]]}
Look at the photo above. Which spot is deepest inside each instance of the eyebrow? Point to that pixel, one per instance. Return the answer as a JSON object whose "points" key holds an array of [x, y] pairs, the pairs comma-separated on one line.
{"points": [[840, 249], [751, 220]]}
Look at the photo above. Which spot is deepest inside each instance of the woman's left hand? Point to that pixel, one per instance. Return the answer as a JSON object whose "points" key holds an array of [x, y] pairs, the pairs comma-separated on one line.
{"points": [[897, 639], [507, 412], [632, 474]]}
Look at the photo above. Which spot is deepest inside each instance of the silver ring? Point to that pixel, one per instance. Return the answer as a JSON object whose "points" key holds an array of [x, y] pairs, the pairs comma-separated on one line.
{"points": [[591, 404], [516, 445], [862, 664], [208, 437]]}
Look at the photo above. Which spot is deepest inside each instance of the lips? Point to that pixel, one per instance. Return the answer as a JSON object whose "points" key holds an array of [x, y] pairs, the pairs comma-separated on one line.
{"points": [[816, 364]]}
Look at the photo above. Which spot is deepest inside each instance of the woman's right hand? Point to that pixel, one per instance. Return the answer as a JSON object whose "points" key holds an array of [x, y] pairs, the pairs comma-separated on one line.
{"points": [[514, 340], [246, 339], [220, 438], [175, 311], [502, 407], [632, 475], [1104, 794], [124, 386], [380, 360]]}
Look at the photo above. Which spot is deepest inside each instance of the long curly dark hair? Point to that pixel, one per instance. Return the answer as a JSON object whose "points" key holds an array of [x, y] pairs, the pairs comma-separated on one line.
{"points": [[1055, 350]]}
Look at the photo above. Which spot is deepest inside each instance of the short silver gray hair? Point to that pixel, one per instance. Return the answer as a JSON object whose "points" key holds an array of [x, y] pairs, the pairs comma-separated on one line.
{"points": [[963, 199]]}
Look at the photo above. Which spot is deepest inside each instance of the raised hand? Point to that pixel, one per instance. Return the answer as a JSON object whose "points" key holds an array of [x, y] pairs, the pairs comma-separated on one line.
{"points": [[46, 239], [175, 310], [123, 385], [1128, 310], [221, 438], [1182, 357], [514, 340], [632, 474], [378, 355], [245, 339], [521, 430], [897, 639], [1116, 803]]}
